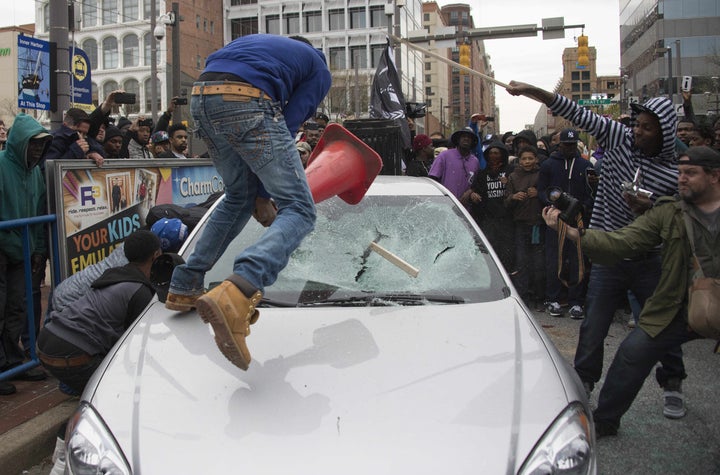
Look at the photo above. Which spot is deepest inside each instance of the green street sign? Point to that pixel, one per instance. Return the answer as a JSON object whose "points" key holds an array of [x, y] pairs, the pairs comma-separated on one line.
{"points": [[595, 102]]}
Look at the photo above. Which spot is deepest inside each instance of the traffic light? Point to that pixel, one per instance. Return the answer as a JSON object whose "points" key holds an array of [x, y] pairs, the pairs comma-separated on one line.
{"points": [[583, 51], [464, 56]]}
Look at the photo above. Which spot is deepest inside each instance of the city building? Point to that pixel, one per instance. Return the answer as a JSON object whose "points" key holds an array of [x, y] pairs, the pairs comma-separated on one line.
{"points": [[118, 39], [351, 33], [662, 41], [9, 64]]}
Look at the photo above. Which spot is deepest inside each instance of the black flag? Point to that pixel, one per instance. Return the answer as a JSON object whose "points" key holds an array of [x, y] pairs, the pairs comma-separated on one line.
{"points": [[386, 100]]}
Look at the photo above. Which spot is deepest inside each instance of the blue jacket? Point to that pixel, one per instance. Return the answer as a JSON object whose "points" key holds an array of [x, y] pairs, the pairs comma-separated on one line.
{"points": [[290, 71], [568, 174], [22, 189]]}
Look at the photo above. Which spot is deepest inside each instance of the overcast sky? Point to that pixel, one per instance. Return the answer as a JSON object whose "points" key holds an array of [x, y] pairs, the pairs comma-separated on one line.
{"points": [[537, 61], [529, 59]]}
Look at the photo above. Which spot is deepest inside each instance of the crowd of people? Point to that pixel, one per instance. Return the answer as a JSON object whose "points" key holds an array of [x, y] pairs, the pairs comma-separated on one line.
{"points": [[518, 188]]}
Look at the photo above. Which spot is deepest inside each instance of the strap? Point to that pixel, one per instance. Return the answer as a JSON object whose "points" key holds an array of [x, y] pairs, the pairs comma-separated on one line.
{"points": [[691, 237], [562, 232]]}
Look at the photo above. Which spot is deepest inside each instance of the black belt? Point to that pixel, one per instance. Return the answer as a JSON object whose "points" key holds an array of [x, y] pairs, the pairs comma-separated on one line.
{"points": [[643, 257]]}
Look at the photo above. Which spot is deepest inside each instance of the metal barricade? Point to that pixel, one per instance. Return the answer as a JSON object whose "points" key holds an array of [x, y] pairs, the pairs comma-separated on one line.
{"points": [[25, 224]]}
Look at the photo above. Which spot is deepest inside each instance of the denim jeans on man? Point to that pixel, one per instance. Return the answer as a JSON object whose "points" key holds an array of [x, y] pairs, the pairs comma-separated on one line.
{"points": [[247, 136], [607, 291], [633, 361]]}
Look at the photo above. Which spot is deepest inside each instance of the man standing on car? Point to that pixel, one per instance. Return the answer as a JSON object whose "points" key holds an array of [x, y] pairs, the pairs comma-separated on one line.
{"points": [[248, 103]]}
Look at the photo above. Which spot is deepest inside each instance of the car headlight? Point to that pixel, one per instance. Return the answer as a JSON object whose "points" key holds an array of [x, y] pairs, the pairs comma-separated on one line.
{"points": [[91, 448], [567, 447]]}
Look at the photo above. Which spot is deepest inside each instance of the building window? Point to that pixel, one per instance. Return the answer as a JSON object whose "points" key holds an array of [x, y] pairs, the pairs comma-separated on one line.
{"points": [[109, 87], [90, 48], [575, 75], [46, 16], [586, 87], [109, 12], [133, 87], [110, 53], [426, 17], [378, 16], [428, 78], [131, 10], [89, 13], [357, 18], [336, 20], [313, 21], [205, 24], [272, 24], [375, 52], [292, 23], [576, 97], [586, 75], [197, 22], [212, 27], [147, 5], [611, 85], [337, 58], [243, 2], [428, 91], [454, 18], [575, 87], [359, 57], [131, 51], [198, 62], [148, 94], [428, 66], [243, 27], [147, 49]]}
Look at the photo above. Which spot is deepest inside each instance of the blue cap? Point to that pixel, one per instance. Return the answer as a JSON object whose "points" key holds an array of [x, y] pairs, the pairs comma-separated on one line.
{"points": [[172, 233]]}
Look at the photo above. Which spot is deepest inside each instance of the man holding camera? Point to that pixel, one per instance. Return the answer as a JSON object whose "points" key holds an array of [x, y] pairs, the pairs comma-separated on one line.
{"points": [[135, 143], [638, 166], [663, 320], [566, 171]]}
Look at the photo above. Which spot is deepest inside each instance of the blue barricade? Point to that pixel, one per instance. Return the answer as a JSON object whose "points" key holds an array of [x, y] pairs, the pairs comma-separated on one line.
{"points": [[30, 311]]}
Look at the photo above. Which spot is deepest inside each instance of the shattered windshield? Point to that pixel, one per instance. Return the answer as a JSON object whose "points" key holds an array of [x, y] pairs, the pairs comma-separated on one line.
{"points": [[409, 250]]}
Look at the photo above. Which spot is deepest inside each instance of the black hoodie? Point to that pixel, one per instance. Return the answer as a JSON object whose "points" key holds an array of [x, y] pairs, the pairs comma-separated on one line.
{"points": [[490, 184]]}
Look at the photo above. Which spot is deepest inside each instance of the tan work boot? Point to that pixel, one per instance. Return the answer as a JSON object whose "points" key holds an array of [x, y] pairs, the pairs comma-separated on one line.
{"points": [[230, 313], [181, 303]]}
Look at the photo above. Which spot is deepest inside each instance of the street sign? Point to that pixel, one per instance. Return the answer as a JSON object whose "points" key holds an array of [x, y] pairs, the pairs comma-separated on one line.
{"points": [[595, 102]]}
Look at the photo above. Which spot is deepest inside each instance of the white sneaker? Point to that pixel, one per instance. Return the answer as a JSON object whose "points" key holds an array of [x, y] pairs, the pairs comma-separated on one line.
{"points": [[553, 309], [577, 312], [58, 458]]}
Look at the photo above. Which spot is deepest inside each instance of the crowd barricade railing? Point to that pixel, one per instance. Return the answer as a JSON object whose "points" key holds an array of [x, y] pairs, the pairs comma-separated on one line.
{"points": [[25, 224]]}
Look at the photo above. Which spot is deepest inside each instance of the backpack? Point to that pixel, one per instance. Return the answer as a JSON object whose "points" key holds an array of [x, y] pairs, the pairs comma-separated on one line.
{"points": [[189, 216]]}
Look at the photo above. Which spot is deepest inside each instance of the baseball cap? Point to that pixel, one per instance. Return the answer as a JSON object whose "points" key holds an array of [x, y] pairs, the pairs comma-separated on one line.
{"points": [[160, 136], [421, 141], [702, 156], [172, 233], [568, 136]]}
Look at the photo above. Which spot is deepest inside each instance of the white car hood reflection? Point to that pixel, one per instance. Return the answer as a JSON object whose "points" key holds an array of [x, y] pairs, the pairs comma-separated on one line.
{"points": [[396, 390]]}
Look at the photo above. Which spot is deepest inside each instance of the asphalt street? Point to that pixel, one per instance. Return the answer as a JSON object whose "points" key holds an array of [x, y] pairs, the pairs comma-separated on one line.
{"points": [[648, 443]]}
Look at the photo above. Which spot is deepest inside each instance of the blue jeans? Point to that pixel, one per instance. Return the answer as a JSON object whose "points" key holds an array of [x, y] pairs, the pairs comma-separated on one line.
{"points": [[248, 139], [633, 361], [607, 291]]}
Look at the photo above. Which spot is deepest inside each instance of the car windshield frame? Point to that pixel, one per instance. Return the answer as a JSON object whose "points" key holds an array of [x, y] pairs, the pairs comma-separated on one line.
{"points": [[338, 265]]}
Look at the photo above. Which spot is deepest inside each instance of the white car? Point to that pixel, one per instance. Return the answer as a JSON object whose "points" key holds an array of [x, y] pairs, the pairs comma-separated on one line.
{"points": [[392, 343]]}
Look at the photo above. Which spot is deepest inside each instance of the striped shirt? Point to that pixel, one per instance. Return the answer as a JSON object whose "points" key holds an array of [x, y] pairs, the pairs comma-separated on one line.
{"points": [[622, 159]]}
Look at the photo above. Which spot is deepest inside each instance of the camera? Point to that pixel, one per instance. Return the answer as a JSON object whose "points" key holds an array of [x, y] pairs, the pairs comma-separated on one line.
{"points": [[180, 101], [633, 187], [159, 32], [415, 109], [145, 123], [569, 206], [124, 98]]}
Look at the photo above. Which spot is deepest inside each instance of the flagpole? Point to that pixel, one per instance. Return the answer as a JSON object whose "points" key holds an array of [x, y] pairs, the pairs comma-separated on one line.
{"points": [[450, 61]]}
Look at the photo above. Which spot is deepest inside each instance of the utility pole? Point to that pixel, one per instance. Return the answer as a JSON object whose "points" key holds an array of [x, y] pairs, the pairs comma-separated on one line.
{"points": [[58, 36], [176, 60], [153, 63]]}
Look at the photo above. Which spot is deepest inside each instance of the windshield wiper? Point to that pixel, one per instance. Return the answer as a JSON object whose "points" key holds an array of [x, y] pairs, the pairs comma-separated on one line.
{"points": [[388, 299]]}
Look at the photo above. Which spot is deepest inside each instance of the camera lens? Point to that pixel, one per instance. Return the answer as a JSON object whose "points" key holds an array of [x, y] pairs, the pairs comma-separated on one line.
{"points": [[554, 194]]}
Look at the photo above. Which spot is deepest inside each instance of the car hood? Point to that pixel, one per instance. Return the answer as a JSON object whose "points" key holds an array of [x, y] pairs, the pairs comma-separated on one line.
{"points": [[424, 389]]}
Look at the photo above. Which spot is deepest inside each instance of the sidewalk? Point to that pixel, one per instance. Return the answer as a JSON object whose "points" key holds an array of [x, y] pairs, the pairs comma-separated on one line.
{"points": [[30, 419]]}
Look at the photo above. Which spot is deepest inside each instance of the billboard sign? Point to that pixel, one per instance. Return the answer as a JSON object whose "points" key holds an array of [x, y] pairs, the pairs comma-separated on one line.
{"points": [[33, 73]]}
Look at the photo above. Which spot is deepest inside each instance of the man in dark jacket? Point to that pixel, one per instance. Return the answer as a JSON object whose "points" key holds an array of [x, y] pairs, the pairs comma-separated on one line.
{"points": [[486, 197], [22, 195], [565, 170], [72, 142], [74, 340]]}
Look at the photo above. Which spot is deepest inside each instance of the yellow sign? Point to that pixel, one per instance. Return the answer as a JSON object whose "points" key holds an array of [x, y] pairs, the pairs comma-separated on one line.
{"points": [[80, 67]]}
